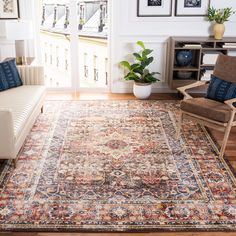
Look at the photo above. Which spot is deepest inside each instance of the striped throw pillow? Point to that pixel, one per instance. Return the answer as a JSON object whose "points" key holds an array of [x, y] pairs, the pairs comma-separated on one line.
{"points": [[9, 75], [221, 90]]}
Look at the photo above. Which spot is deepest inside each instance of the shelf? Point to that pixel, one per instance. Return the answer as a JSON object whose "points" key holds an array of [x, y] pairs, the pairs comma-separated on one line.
{"points": [[207, 65], [188, 48], [214, 49], [209, 45], [189, 68], [230, 48]]}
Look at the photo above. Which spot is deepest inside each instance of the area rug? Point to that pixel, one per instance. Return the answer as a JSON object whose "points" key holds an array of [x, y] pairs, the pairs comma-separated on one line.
{"points": [[117, 166]]}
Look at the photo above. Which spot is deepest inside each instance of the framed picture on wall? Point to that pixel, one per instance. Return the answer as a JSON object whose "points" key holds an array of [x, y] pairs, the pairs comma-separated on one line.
{"points": [[191, 7], [9, 9], [153, 8]]}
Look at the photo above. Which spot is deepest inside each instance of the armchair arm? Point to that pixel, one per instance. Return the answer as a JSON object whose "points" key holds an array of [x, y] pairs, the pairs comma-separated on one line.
{"points": [[184, 88], [31, 75], [6, 134], [230, 103]]}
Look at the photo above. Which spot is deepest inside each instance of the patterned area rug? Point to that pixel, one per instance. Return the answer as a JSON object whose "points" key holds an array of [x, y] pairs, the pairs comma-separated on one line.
{"points": [[117, 166]]}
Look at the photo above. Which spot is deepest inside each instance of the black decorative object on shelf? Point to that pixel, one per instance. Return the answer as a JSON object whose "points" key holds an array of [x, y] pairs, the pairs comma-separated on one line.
{"points": [[184, 57]]}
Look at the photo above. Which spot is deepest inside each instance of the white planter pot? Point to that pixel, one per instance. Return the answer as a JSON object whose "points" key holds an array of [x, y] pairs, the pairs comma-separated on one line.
{"points": [[142, 91]]}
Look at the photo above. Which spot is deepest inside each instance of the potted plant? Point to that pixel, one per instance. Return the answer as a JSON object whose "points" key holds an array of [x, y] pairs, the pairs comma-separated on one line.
{"points": [[219, 16], [139, 73]]}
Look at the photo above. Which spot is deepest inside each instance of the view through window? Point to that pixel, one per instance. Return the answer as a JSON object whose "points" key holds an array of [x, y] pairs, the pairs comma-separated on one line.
{"points": [[92, 30]]}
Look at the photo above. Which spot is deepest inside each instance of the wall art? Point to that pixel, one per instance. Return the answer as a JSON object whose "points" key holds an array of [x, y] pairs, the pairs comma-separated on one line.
{"points": [[9, 9], [191, 7], [154, 8]]}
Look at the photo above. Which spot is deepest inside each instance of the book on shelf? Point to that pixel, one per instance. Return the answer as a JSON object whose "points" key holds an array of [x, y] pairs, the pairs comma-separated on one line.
{"points": [[229, 46], [210, 58], [192, 46]]}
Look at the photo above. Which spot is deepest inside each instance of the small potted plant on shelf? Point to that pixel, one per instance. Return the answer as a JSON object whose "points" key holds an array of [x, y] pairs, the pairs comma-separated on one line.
{"points": [[219, 16], [139, 73]]}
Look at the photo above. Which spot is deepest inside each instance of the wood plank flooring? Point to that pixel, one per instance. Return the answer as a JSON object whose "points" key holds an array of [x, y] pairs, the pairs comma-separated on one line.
{"points": [[230, 154]]}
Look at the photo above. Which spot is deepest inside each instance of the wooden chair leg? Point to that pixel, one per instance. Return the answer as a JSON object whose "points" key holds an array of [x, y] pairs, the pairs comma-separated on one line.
{"points": [[224, 143], [179, 125]]}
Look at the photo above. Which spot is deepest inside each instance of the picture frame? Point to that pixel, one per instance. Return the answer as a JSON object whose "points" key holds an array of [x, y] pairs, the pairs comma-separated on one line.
{"points": [[191, 7], [154, 8], [9, 9]]}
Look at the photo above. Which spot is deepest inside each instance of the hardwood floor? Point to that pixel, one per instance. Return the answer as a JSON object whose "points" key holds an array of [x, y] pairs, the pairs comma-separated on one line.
{"points": [[106, 96], [230, 154]]}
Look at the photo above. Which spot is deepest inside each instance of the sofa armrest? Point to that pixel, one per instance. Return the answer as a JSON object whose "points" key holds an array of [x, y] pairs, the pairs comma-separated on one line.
{"points": [[6, 134], [31, 75]]}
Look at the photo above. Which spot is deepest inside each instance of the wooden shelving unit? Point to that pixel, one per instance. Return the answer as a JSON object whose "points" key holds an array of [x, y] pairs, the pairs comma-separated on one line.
{"points": [[197, 67]]}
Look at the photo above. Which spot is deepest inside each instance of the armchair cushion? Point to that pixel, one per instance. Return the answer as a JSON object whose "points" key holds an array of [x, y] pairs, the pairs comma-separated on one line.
{"points": [[207, 108], [9, 75], [225, 68], [221, 90]]}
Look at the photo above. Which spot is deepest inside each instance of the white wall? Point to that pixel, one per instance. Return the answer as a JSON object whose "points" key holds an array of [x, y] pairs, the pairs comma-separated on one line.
{"points": [[7, 48], [127, 28]]}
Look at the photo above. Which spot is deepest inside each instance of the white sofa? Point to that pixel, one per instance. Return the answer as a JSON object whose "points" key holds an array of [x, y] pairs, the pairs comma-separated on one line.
{"points": [[19, 108]]}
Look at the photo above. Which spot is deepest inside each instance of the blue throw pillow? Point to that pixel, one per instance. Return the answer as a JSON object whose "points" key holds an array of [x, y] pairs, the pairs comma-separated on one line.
{"points": [[9, 75], [221, 90]]}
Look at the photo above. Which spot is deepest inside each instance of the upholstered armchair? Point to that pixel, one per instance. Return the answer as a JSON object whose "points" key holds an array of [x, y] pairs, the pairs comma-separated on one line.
{"points": [[219, 115]]}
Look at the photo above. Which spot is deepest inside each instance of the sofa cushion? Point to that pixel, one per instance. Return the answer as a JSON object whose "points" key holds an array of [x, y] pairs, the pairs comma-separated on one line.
{"points": [[221, 90], [207, 108], [9, 75], [24, 100]]}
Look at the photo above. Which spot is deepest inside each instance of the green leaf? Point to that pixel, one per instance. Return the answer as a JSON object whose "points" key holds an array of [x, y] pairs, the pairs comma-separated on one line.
{"points": [[139, 70], [147, 62], [219, 15], [136, 55], [141, 44], [125, 64], [211, 13], [146, 52], [135, 66], [150, 78], [131, 76], [150, 60]]}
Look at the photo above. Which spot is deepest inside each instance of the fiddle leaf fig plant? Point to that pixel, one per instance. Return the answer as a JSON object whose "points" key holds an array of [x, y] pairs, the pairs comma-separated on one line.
{"points": [[138, 71], [219, 15]]}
